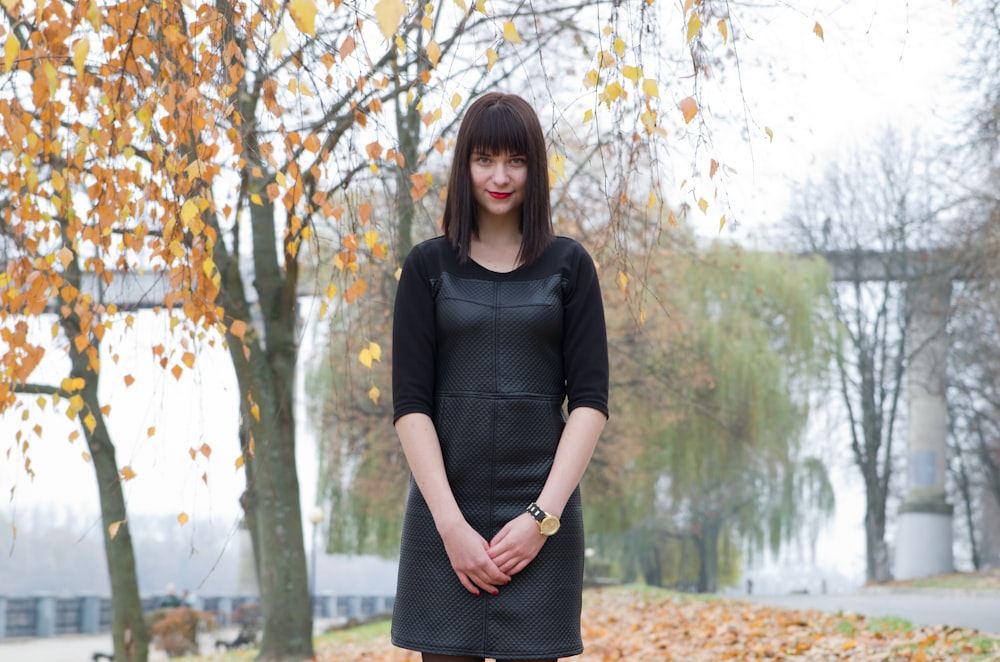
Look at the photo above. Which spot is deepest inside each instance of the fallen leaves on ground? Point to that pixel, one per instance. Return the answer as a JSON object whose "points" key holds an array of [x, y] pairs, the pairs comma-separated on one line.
{"points": [[654, 626]]}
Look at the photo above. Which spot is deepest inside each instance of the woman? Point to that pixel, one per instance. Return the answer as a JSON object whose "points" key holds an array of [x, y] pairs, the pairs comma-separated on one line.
{"points": [[497, 323]]}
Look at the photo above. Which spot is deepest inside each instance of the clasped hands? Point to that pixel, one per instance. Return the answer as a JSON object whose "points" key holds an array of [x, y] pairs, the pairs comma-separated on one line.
{"points": [[487, 565]]}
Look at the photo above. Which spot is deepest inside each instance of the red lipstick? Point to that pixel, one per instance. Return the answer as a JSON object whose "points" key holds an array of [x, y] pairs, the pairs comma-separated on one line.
{"points": [[499, 196]]}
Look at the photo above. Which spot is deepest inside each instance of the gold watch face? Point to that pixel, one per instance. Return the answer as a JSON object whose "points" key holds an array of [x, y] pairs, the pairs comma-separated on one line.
{"points": [[549, 525]]}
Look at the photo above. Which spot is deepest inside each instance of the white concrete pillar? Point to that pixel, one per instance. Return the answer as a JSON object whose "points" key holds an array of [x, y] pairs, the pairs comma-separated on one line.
{"points": [[924, 543]]}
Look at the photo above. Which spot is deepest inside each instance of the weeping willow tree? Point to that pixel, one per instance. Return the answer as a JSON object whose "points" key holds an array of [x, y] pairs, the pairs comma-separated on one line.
{"points": [[713, 396]]}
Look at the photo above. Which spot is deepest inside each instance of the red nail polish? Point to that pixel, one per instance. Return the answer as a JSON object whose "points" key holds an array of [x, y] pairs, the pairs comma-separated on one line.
{"points": [[496, 592]]}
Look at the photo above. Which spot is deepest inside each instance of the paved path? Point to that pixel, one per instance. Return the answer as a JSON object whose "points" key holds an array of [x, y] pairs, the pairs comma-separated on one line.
{"points": [[971, 609], [80, 648]]}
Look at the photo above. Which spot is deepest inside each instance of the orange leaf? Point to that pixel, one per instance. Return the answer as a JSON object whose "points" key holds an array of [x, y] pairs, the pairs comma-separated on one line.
{"points": [[690, 108], [238, 328]]}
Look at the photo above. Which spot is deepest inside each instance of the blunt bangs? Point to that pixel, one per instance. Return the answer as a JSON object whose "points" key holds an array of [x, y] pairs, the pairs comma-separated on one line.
{"points": [[499, 131]]}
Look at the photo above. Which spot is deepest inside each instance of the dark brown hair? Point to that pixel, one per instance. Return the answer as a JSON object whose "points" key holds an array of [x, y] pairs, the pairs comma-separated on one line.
{"points": [[497, 123]]}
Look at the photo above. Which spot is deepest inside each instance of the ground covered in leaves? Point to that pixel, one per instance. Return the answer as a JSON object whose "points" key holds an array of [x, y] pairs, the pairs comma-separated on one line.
{"points": [[645, 625]]}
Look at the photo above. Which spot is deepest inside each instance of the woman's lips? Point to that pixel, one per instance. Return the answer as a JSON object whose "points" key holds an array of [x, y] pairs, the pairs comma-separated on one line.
{"points": [[496, 195]]}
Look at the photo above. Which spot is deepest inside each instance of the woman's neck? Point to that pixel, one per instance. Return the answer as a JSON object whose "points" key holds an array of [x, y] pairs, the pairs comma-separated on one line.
{"points": [[496, 245]]}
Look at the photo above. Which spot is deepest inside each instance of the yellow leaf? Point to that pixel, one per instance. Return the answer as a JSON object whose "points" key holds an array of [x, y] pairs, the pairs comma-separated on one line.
{"points": [[461, 4], [90, 422], [818, 30], [690, 108], [613, 90], [510, 33], [652, 201], [491, 58], [433, 53], [331, 291], [127, 473], [722, 222], [304, 14], [182, 518], [365, 357], [279, 41], [588, 116], [371, 238], [70, 384], [632, 73], [703, 205], [650, 88], [11, 49], [376, 350], [113, 528], [388, 14], [150, 431], [188, 359], [770, 134], [558, 165], [591, 79], [256, 199], [374, 393], [281, 179], [239, 462], [456, 101], [694, 26], [75, 406], [619, 47], [189, 210], [80, 50], [255, 412]]}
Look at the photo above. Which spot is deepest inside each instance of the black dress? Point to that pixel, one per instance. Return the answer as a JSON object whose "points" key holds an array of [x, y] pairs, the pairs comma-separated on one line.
{"points": [[491, 358]]}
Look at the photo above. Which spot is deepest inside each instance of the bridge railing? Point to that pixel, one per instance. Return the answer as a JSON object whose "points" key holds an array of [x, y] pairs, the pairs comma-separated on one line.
{"points": [[49, 616]]}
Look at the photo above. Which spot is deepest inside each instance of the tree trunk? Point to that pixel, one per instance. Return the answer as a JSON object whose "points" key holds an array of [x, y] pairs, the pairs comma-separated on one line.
{"points": [[128, 627], [708, 554], [266, 377]]}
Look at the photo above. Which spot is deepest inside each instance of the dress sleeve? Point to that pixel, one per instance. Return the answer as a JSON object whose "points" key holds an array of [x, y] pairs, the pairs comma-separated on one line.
{"points": [[585, 338], [413, 341]]}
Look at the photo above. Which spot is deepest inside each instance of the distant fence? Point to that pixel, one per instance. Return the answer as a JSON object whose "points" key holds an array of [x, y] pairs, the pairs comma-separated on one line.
{"points": [[49, 616]]}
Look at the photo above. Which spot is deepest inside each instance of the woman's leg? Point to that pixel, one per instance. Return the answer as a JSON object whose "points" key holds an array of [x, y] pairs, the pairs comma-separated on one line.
{"points": [[435, 657]]}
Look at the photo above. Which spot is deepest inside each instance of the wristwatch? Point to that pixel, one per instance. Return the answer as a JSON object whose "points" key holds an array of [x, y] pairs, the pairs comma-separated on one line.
{"points": [[548, 523]]}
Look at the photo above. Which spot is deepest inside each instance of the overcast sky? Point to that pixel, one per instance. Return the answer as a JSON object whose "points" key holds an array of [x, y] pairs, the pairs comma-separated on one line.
{"points": [[879, 63]]}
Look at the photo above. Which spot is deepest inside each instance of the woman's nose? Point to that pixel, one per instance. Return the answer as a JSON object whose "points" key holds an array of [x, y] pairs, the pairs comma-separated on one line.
{"points": [[500, 173]]}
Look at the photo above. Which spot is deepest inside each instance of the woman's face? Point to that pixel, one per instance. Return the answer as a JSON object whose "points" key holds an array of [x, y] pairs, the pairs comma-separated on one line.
{"points": [[498, 181]]}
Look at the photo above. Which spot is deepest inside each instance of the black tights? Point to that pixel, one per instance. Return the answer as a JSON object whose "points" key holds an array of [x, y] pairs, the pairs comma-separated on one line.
{"points": [[435, 657]]}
